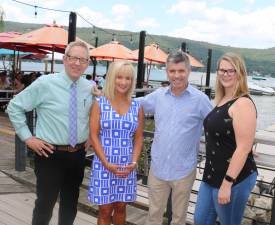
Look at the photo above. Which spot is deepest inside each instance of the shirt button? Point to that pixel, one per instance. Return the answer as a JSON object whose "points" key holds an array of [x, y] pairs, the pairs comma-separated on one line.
{"points": [[213, 152], [209, 176]]}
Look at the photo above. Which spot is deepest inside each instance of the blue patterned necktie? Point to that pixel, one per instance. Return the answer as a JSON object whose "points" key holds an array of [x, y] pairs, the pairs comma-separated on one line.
{"points": [[73, 115]]}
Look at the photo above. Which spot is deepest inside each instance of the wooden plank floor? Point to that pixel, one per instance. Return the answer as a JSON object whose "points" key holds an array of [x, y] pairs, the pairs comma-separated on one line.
{"points": [[16, 209], [17, 202]]}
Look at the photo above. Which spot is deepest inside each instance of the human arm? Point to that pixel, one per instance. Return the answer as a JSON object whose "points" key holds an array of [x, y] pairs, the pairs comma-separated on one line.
{"points": [[96, 92], [138, 141], [95, 141], [205, 106], [243, 113], [148, 102], [23, 102]]}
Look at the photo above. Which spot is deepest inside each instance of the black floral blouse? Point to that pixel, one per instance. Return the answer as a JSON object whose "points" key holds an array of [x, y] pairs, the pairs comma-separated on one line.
{"points": [[220, 146]]}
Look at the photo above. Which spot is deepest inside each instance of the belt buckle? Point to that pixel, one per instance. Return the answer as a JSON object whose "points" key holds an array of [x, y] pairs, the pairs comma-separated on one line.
{"points": [[71, 149]]}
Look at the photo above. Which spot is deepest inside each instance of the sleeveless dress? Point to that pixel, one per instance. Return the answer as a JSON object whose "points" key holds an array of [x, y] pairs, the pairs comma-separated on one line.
{"points": [[116, 137]]}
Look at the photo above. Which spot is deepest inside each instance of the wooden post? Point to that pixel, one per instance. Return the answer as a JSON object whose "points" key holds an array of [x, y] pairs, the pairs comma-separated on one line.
{"points": [[52, 63], [207, 82], [183, 46], [20, 154], [94, 59], [140, 71], [72, 27], [20, 147], [272, 221]]}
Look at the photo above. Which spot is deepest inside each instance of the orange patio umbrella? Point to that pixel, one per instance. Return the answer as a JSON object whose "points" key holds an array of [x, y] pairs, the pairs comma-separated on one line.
{"points": [[153, 53], [5, 36], [111, 51], [51, 37], [22, 48], [194, 62], [48, 37]]}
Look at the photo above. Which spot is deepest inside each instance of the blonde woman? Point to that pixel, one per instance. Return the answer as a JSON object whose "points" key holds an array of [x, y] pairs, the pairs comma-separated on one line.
{"points": [[116, 132], [230, 170]]}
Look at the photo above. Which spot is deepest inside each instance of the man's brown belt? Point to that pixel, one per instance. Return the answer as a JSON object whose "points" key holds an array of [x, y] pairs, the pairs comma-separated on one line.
{"points": [[69, 148]]}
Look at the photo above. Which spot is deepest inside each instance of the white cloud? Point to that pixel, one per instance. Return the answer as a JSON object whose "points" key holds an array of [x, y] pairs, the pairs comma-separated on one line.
{"points": [[98, 19], [250, 2], [121, 9], [17, 13], [188, 7], [147, 22], [121, 14], [203, 20], [224, 26]]}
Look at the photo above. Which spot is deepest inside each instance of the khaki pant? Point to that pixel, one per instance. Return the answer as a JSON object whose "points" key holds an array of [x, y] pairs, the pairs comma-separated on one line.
{"points": [[159, 191]]}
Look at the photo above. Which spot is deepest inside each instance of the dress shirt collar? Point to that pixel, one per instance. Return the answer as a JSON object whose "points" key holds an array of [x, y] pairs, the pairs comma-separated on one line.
{"points": [[68, 81], [187, 90]]}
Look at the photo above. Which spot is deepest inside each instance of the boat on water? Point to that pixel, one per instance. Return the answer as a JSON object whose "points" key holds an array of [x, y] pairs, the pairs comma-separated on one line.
{"points": [[258, 78], [256, 89]]}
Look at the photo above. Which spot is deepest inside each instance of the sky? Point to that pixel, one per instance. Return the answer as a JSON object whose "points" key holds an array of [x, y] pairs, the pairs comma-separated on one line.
{"points": [[236, 23]]}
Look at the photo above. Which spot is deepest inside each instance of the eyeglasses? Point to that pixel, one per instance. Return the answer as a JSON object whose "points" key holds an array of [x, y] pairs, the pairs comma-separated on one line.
{"points": [[230, 72], [74, 59]]}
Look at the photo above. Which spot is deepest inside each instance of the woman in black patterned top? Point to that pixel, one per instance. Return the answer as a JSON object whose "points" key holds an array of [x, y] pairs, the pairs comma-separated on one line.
{"points": [[230, 170]]}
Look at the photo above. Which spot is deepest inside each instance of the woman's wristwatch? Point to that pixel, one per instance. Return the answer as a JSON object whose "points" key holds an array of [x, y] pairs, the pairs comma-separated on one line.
{"points": [[229, 179]]}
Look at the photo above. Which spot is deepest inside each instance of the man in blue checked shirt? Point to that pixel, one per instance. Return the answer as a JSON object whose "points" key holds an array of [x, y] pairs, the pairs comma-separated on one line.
{"points": [[62, 102], [179, 111]]}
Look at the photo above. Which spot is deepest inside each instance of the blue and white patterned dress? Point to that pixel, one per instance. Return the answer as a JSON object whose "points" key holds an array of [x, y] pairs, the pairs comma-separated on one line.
{"points": [[116, 136]]}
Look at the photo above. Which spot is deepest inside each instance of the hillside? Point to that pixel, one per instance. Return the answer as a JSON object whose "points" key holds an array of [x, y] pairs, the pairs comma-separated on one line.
{"points": [[260, 60]]}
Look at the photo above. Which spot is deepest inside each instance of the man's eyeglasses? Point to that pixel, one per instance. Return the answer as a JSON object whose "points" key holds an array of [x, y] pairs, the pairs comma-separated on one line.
{"points": [[230, 72], [74, 59]]}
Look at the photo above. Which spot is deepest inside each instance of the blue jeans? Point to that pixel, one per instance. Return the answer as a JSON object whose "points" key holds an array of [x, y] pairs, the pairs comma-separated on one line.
{"points": [[208, 209]]}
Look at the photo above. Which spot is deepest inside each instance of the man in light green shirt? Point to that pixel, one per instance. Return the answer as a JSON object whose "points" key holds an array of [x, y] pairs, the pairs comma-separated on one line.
{"points": [[59, 165]]}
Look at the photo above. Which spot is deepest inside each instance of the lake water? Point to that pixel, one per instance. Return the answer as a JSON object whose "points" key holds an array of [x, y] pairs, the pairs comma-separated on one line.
{"points": [[265, 104]]}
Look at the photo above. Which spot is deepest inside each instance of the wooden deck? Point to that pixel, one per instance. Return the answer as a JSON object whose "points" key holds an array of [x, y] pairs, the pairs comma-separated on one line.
{"points": [[17, 201], [25, 198], [16, 209]]}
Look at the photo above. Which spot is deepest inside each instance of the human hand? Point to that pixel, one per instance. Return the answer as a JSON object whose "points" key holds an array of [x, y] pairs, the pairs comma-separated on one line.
{"points": [[224, 193], [87, 144], [117, 170], [129, 168], [96, 92], [39, 146]]}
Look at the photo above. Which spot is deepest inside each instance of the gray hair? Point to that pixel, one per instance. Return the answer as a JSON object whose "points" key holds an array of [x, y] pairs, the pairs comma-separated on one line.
{"points": [[77, 43], [178, 57]]}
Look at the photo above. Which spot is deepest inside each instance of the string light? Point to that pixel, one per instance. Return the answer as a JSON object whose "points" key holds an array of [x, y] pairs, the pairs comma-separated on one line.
{"points": [[131, 39], [94, 27], [66, 11], [114, 37], [93, 32], [35, 11]]}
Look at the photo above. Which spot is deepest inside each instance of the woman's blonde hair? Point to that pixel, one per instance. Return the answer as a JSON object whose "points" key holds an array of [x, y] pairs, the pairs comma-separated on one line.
{"points": [[241, 87], [114, 69]]}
